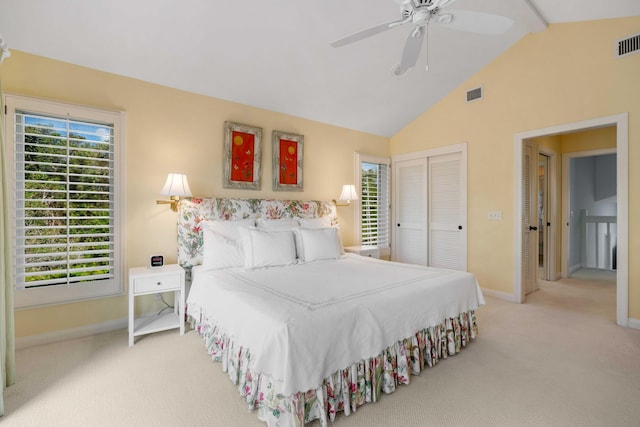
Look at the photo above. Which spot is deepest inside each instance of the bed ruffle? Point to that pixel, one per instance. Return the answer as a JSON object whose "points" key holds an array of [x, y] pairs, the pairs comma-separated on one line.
{"points": [[345, 390]]}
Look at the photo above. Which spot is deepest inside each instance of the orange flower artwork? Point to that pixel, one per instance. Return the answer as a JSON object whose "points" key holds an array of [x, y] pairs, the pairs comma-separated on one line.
{"points": [[288, 162], [242, 150]]}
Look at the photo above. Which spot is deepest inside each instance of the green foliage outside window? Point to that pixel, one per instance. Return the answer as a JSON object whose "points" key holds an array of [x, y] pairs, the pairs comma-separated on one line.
{"points": [[64, 201]]}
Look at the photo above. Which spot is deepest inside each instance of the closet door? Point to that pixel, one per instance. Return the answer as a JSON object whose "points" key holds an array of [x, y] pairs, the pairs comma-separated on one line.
{"points": [[410, 212], [447, 212]]}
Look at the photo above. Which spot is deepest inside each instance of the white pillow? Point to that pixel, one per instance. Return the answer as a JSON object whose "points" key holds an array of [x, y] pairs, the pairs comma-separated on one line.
{"points": [[222, 243], [220, 252], [268, 248], [322, 222], [318, 243], [229, 229], [277, 224]]}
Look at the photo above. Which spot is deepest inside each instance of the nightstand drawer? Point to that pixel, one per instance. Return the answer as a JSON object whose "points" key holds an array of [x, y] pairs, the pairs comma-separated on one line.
{"points": [[364, 250], [155, 284]]}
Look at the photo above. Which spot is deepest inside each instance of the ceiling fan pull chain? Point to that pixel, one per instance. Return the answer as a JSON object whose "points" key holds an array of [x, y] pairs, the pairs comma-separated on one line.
{"points": [[426, 34]]}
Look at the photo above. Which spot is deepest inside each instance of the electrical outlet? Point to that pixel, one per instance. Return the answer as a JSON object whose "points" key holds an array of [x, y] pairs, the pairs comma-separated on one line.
{"points": [[495, 215]]}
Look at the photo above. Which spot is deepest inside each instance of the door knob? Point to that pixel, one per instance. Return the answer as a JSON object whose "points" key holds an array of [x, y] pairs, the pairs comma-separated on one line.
{"points": [[532, 228]]}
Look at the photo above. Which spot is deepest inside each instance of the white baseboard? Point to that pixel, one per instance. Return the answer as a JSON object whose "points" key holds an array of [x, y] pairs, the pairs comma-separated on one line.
{"points": [[499, 294], [634, 323], [67, 334], [574, 268]]}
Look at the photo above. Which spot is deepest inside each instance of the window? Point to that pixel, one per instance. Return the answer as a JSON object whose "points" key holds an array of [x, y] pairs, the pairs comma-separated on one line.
{"points": [[374, 201], [66, 201]]}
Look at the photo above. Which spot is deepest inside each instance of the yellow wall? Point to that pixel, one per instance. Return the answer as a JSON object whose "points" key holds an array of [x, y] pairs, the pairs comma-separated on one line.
{"points": [[562, 75], [175, 131]]}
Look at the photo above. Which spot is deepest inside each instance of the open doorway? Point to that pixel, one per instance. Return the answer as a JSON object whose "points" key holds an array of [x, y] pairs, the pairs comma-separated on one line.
{"points": [[620, 123], [590, 238]]}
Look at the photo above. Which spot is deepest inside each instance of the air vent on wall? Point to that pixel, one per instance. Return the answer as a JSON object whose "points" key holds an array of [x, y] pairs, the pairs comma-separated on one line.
{"points": [[628, 46], [474, 94]]}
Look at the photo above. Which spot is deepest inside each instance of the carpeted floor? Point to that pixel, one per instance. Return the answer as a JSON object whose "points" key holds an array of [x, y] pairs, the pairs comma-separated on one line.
{"points": [[558, 360]]}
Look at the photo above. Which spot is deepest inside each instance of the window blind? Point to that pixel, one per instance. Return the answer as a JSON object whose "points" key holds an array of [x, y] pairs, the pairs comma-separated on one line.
{"points": [[374, 203], [64, 200]]}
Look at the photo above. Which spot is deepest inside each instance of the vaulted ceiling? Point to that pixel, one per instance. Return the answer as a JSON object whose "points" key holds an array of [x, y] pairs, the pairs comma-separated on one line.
{"points": [[277, 54]]}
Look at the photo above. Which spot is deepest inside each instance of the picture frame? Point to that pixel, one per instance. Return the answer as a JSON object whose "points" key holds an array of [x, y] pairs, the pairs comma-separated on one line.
{"points": [[287, 161], [242, 154]]}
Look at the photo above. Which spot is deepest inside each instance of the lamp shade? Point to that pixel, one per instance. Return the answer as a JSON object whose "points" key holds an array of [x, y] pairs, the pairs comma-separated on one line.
{"points": [[348, 192], [176, 185]]}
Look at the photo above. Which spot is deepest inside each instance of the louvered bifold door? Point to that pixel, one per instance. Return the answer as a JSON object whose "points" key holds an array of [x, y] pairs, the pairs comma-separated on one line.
{"points": [[529, 218], [410, 212], [447, 213]]}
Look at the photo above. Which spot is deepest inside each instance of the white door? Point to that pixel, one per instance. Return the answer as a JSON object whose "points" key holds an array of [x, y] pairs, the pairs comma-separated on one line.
{"points": [[529, 217], [409, 244], [447, 212]]}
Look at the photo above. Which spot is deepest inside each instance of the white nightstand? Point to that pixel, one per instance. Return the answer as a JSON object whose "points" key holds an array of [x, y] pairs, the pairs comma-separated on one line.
{"points": [[147, 280], [364, 250]]}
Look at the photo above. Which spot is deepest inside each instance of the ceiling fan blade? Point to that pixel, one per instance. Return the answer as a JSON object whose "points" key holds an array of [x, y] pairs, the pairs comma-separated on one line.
{"points": [[366, 33], [411, 50], [445, 3], [474, 22]]}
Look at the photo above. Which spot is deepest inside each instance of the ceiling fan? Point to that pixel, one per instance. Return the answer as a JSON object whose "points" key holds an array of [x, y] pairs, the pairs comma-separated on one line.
{"points": [[420, 13]]}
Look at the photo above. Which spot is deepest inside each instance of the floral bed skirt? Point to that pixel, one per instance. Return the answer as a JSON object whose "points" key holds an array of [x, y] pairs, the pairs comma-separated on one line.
{"points": [[344, 390]]}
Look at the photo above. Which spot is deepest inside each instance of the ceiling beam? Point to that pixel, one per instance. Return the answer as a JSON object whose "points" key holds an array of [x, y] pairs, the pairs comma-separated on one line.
{"points": [[534, 20]]}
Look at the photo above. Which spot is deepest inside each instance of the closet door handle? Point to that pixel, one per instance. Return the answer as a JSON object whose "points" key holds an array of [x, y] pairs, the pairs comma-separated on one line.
{"points": [[459, 227], [532, 228]]}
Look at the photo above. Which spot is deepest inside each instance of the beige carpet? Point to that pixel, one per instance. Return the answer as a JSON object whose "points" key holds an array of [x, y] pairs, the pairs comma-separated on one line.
{"points": [[558, 360]]}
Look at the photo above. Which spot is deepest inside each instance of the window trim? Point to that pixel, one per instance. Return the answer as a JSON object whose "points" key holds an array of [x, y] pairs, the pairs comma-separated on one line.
{"points": [[360, 158], [44, 296]]}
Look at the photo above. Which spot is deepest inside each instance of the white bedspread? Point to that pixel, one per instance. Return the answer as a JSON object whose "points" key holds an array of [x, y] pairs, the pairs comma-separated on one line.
{"points": [[303, 322]]}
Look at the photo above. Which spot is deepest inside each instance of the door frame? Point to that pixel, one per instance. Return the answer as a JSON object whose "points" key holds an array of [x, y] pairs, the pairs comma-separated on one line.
{"points": [[621, 122]]}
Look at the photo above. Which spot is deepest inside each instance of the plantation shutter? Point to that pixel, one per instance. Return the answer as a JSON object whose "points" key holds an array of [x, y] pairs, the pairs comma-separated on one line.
{"points": [[374, 204], [64, 175]]}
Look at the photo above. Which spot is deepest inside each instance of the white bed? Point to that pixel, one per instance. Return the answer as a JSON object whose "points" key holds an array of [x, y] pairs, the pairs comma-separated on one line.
{"points": [[316, 332]]}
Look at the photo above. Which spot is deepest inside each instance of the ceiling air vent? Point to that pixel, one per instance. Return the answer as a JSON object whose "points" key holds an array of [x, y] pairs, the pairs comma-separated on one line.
{"points": [[474, 94], [628, 46]]}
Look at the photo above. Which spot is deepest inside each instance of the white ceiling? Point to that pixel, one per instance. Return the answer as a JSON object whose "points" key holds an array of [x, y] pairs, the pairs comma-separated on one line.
{"points": [[276, 54]]}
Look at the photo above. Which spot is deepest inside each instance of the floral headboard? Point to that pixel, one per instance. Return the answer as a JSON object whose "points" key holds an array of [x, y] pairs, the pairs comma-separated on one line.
{"points": [[195, 210]]}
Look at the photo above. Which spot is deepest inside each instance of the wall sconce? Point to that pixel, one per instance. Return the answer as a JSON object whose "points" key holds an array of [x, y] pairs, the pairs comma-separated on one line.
{"points": [[348, 193], [175, 187]]}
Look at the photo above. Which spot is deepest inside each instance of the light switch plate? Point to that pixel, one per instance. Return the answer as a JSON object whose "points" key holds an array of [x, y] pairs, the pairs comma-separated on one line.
{"points": [[495, 215]]}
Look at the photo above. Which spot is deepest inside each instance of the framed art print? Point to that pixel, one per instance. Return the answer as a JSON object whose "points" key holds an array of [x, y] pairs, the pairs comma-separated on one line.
{"points": [[242, 151], [287, 161]]}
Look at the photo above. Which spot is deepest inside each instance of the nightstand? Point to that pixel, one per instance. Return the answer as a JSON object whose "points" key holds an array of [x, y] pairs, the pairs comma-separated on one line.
{"points": [[364, 250], [146, 281]]}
